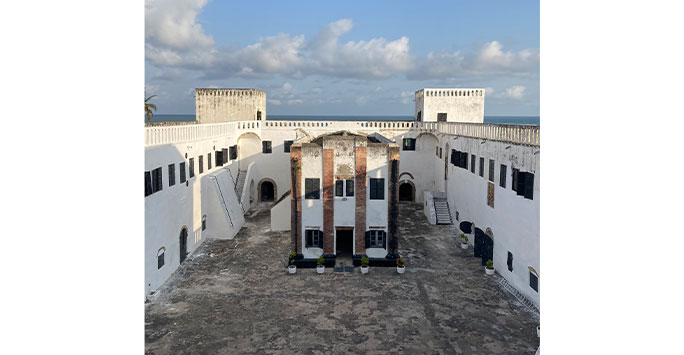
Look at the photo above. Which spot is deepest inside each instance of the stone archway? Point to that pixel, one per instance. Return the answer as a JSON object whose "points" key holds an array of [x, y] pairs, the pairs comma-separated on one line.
{"points": [[407, 191], [268, 190]]}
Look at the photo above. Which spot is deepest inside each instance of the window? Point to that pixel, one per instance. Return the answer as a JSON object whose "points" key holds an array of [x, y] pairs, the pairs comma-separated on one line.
{"points": [[459, 159], [436, 151], [510, 261], [181, 167], [266, 147], [441, 117], [314, 238], [376, 238], [491, 170], [204, 222], [224, 156], [148, 183], [208, 161], [312, 188], [339, 187], [377, 189], [160, 257], [481, 167], [286, 146], [191, 168], [502, 176], [350, 187], [172, 174], [525, 184], [201, 164], [258, 115], [440, 152], [233, 152], [409, 144], [534, 281], [418, 117], [514, 179], [157, 180], [472, 163]]}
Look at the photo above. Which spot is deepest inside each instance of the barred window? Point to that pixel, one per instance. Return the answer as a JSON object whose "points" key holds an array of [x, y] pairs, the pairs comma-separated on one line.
{"points": [[502, 176], [409, 144], [314, 238], [181, 168], [286, 146], [491, 170], [157, 183], [191, 168], [266, 147], [201, 164]]}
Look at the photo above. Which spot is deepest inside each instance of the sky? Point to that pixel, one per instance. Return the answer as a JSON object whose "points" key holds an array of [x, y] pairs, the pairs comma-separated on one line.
{"points": [[343, 57]]}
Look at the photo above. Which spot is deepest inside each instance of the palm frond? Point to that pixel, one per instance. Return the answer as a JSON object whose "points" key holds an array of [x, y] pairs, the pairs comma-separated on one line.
{"points": [[152, 106], [149, 98]]}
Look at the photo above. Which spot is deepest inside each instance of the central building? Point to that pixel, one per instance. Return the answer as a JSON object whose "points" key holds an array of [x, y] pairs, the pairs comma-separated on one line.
{"points": [[344, 199]]}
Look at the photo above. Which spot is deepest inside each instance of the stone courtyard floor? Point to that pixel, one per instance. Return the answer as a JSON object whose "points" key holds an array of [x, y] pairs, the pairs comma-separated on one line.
{"points": [[235, 297]]}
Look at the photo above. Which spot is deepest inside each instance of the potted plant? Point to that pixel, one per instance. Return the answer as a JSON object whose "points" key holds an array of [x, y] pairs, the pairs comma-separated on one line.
{"points": [[320, 267], [400, 266], [464, 241], [291, 267], [364, 265], [489, 269]]}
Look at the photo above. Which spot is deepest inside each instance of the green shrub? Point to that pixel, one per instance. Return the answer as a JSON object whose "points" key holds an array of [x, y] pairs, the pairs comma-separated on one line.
{"points": [[464, 237], [490, 264], [364, 261], [292, 257], [400, 262], [320, 261]]}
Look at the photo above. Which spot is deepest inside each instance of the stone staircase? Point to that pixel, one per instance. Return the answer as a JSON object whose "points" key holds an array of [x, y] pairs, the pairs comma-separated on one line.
{"points": [[442, 211], [240, 183]]}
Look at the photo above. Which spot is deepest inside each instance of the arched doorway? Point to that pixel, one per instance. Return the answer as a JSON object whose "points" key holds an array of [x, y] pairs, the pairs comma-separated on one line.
{"points": [[183, 242], [484, 246], [407, 192], [267, 190]]}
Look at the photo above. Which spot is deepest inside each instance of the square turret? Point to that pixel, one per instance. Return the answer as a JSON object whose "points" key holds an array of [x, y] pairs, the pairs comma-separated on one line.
{"points": [[450, 105]]}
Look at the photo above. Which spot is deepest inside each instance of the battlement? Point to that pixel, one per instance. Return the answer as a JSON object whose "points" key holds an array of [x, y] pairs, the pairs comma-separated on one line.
{"points": [[229, 92]]}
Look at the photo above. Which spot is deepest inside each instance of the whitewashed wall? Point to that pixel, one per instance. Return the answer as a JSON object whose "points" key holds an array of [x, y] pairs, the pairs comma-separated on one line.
{"points": [[376, 210], [460, 105], [312, 210]]}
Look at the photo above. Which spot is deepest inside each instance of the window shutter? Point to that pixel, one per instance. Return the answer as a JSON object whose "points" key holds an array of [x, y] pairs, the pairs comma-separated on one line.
{"points": [[148, 183], [529, 185], [320, 239], [384, 239], [160, 184], [514, 179], [368, 233], [308, 239], [521, 183]]}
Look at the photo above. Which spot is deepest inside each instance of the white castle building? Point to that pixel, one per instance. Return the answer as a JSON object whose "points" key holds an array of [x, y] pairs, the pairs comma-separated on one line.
{"points": [[202, 177]]}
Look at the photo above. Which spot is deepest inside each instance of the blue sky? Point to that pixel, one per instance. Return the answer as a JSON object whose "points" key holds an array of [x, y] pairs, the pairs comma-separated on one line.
{"points": [[343, 58]]}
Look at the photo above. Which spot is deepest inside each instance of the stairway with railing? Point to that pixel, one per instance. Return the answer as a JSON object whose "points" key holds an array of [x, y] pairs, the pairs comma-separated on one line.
{"points": [[442, 211]]}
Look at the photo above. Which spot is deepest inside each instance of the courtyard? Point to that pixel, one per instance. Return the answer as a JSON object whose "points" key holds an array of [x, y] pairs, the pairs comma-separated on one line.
{"points": [[235, 297]]}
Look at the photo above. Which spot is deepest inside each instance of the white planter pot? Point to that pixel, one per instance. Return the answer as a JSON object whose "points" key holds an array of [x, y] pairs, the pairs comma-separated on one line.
{"points": [[489, 271], [320, 269], [364, 269], [292, 269], [401, 269], [464, 245]]}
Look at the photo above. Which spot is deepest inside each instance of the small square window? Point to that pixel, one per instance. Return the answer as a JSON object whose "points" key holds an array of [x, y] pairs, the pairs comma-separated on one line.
{"points": [[286, 146], [409, 144], [377, 189], [312, 189], [313, 238], [266, 147]]}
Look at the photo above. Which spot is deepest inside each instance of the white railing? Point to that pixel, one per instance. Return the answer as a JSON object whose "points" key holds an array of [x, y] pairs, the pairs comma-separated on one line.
{"points": [[515, 134]]}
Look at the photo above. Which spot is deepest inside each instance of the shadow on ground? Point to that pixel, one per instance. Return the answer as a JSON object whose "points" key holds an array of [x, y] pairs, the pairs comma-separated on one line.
{"points": [[235, 297]]}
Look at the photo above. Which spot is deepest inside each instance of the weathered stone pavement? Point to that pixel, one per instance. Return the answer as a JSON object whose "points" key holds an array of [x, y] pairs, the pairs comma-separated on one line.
{"points": [[235, 297]]}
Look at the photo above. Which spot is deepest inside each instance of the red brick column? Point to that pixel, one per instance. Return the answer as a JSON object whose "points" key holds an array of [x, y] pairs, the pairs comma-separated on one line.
{"points": [[360, 193], [295, 196], [393, 199], [328, 201]]}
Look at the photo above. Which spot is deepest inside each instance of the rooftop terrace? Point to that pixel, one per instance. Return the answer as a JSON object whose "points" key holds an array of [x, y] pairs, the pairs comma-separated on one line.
{"points": [[235, 296]]}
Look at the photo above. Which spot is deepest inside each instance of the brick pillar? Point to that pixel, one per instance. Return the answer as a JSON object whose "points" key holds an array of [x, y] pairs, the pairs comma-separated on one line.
{"points": [[328, 201], [393, 199], [360, 193], [295, 196]]}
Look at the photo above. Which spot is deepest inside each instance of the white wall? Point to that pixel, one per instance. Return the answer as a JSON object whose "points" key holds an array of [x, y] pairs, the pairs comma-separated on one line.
{"points": [[376, 210], [223, 105], [460, 105], [312, 210], [280, 215]]}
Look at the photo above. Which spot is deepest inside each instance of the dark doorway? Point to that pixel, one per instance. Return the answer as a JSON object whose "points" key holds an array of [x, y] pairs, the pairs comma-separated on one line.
{"points": [[183, 244], [405, 192], [344, 242], [484, 246], [267, 193], [258, 115]]}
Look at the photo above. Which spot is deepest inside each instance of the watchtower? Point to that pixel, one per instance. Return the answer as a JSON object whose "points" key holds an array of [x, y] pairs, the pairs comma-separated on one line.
{"points": [[450, 105], [225, 105]]}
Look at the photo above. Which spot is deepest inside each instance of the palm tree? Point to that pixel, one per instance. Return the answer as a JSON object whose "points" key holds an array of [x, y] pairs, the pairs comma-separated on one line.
{"points": [[149, 107]]}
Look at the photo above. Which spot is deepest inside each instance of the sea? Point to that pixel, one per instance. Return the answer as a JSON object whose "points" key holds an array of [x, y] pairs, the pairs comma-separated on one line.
{"points": [[524, 120]]}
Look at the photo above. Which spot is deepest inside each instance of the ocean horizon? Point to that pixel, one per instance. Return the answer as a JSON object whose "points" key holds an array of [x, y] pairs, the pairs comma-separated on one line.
{"points": [[523, 120]]}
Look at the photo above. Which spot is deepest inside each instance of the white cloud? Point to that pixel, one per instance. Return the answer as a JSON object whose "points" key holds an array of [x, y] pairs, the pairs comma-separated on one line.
{"points": [[274, 102], [406, 96], [515, 92], [295, 102], [173, 24], [491, 58]]}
